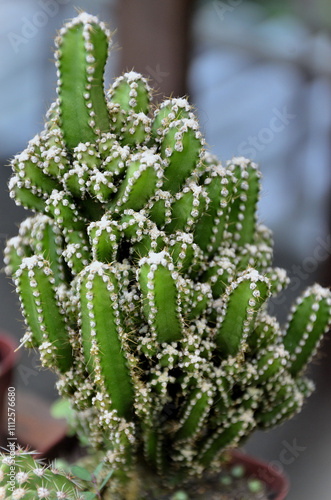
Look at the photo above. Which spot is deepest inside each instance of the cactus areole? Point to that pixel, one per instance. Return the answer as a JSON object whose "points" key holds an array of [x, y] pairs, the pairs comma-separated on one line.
{"points": [[144, 276]]}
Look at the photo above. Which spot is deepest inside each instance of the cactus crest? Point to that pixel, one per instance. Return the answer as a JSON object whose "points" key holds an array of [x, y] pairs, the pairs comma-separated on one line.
{"points": [[145, 275]]}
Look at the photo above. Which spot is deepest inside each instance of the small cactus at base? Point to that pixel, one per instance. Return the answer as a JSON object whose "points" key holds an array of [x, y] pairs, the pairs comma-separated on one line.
{"points": [[144, 275], [23, 477]]}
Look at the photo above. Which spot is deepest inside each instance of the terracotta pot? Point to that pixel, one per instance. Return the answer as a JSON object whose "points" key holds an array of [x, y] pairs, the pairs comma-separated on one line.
{"points": [[8, 358], [275, 480]]}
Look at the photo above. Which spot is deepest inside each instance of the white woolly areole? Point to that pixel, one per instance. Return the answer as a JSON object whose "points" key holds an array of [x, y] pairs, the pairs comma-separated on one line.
{"points": [[18, 494], [88, 19], [85, 18], [102, 224], [253, 275], [95, 267], [22, 477], [184, 237], [14, 242], [150, 158], [156, 258], [43, 492], [81, 147], [22, 157], [133, 76], [281, 274], [179, 102], [32, 262], [218, 170], [13, 182], [27, 225], [242, 162], [184, 124], [205, 288], [319, 291]]}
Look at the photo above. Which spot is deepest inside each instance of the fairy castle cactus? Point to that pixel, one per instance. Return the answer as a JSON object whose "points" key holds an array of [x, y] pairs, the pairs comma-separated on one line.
{"points": [[145, 275]]}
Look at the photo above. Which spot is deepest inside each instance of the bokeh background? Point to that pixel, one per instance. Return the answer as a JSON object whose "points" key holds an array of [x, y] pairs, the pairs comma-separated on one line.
{"points": [[259, 76]]}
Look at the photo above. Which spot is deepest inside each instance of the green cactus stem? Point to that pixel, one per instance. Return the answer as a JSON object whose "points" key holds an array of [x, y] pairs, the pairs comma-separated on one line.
{"points": [[284, 400], [244, 297], [181, 147], [183, 251], [129, 95], [16, 249], [115, 162], [62, 207], [267, 331], [47, 240], [27, 165], [195, 411], [104, 237], [161, 302], [309, 320], [234, 428], [82, 49], [21, 191], [137, 129], [144, 176], [219, 184], [271, 362], [278, 280], [32, 479], [54, 157], [168, 111], [102, 334], [44, 317], [219, 274], [242, 217], [187, 207]]}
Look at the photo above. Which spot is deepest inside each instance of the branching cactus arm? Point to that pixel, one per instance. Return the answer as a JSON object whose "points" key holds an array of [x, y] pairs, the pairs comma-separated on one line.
{"points": [[102, 335], [46, 322], [308, 322], [81, 57]]}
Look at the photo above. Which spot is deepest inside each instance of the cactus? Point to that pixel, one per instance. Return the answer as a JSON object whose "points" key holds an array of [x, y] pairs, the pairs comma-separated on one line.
{"points": [[145, 275], [23, 477]]}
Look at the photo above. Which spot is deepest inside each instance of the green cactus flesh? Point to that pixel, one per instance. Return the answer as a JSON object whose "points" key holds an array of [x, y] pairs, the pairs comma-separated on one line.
{"points": [[145, 276], [23, 477], [82, 48]]}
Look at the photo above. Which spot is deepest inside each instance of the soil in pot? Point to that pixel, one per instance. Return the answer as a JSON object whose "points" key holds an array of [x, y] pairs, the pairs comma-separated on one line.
{"points": [[228, 485], [238, 480]]}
